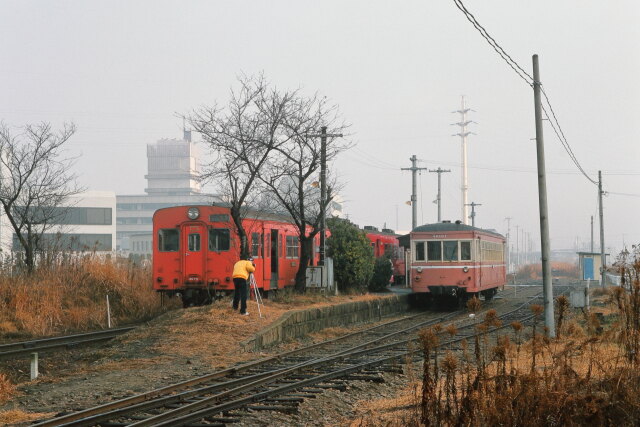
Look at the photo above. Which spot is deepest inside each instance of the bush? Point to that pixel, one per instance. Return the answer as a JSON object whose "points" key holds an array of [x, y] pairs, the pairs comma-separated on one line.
{"points": [[382, 272], [352, 256]]}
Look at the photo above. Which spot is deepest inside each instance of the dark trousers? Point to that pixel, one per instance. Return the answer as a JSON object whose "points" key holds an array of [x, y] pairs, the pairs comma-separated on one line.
{"points": [[240, 294]]}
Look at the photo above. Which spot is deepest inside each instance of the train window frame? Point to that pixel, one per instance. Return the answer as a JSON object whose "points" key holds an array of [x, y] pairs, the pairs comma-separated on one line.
{"points": [[469, 242], [218, 231], [455, 247], [417, 252], [293, 247], [162, 239], [256, 245], [194, 242], [429, 259]]}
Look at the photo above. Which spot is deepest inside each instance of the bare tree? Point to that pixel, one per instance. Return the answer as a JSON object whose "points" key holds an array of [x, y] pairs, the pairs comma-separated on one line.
{"points": [[35, 182], [292, 173], [242, 137]]}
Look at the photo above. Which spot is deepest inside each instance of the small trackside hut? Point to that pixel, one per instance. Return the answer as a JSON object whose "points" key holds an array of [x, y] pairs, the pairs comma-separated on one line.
{"points": [[452, 262], [195, 248]]}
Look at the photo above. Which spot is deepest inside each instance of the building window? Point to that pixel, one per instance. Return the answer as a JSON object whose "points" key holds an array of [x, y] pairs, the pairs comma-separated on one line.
{"points": [[71, 242], [255, 245], [450, 250], [168, 239], [219, 239], [293, 247], [420, 251], [434, 251]]}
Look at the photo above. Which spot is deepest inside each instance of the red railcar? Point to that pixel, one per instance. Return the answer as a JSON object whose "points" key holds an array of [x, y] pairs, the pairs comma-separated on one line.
{"points": [[195, 248], [453, 260], [386, 242]]}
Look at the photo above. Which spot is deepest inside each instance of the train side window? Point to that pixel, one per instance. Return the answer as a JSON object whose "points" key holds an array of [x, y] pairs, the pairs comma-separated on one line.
{"points": [[465, 251], [219, 239], [194, 242], [420, 251], [168, 239], [434, 251], [293, 247], [450, 250], [255, 245]]}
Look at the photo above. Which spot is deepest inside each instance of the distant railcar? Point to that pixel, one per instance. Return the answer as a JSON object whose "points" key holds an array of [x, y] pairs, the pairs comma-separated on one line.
{"points": [[454, 261], [195, 248], [386, 242]]}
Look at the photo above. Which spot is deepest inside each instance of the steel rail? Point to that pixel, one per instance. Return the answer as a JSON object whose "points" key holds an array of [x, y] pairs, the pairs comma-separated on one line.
{"points": [[23, 348], [154, 398], [143, 398], [190, 413]]}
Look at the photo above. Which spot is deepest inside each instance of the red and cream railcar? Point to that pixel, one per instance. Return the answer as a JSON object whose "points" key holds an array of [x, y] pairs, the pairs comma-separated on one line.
{"points": [[386, 242], [456, 260], [195, 248]]}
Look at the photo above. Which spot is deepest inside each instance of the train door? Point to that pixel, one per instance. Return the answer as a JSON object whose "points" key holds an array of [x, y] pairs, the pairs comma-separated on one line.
{"points": [[274, 259], [194, 245]]}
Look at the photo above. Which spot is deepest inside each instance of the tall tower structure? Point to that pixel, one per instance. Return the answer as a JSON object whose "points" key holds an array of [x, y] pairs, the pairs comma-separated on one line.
{"points": [[464, 132], [172, 167]]}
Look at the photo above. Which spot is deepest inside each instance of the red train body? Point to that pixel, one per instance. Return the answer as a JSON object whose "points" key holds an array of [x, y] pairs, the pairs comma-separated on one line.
{"points": [[387, 242], [456, 260], [195, 248]]}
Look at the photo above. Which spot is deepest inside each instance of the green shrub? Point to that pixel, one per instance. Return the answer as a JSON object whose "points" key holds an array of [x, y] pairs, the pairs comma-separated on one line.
{"points": [[352, 256], [382, 272]]}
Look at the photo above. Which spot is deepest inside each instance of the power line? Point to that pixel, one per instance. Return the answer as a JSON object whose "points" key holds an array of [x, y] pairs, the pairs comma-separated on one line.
{"points": [[522, 73]]}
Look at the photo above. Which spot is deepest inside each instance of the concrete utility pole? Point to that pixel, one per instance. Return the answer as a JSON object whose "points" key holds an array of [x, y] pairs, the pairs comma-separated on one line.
{"points": [[517, 246], [439, 171], [414, 190], [591, 233], [463, 123], [323, 188], [473, 212], [602, 254], [549, 320], [508, 219]]}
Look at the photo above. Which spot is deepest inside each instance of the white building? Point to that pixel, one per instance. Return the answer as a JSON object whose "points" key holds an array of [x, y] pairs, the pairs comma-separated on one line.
{"points": [[87, 222], [172, 180]]}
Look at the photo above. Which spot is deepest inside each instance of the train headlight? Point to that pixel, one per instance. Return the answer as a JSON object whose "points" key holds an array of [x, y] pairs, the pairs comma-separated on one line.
{"points": [[419, 269], [193, 213], [465, 269]]}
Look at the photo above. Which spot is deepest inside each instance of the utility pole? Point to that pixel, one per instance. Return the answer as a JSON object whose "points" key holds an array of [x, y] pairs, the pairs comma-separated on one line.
{"points": [[414, 190], [473, 212], [549, 320], [517, 247], [439, 171], [508, 219], [592, 234], [463, 123], [602, 254], [323, 188]]}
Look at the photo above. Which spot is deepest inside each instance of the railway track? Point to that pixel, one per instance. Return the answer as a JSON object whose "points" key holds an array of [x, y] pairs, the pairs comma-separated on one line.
{"points": [[281, 382], [25, 348]]}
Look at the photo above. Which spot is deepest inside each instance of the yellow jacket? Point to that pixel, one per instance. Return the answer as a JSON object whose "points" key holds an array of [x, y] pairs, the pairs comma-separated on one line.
{"points": [[242, 268]]}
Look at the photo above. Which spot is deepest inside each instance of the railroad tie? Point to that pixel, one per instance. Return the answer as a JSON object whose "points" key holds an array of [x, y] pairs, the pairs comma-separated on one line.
{"points": [[279, 408]]}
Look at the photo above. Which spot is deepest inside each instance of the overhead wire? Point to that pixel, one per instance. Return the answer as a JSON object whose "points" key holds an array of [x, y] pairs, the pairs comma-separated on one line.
{"points": [[524, 75]]}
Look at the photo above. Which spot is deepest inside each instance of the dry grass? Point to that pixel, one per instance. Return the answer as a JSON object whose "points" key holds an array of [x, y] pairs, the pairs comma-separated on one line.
{"points": [[589, 375], [559, 269], [16, 416], [7, 389], [216, 332], [72, 297]]}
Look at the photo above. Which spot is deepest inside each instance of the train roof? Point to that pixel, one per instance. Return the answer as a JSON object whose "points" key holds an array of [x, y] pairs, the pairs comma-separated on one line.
{"points": [[452, 226]]}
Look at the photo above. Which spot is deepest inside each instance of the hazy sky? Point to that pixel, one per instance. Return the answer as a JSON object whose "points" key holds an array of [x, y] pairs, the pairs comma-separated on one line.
{"points": [[123, 70]]}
